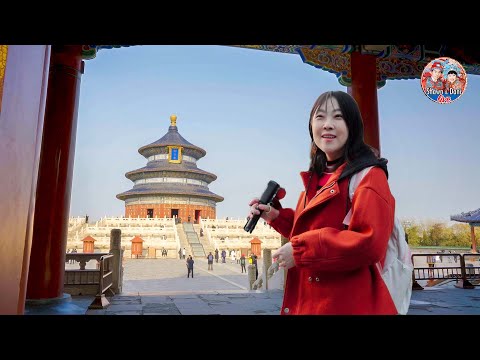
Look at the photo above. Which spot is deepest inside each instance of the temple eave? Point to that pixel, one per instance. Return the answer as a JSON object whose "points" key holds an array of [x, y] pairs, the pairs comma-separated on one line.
{"points": [[206, 176], [161, 148], [130, 194]]}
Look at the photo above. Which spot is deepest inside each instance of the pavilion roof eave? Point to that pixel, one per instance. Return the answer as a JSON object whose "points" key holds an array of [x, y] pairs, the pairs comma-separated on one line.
{"points": [[471, 217], [394, 62]]}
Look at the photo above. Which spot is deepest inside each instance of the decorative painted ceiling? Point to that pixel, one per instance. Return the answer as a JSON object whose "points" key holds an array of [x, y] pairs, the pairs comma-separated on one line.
{"points": [[90, 51], [3, 64], [393, 61]]}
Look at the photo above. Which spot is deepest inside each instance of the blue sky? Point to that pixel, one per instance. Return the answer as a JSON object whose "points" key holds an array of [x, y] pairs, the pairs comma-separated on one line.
{"points": [[249, 110]]}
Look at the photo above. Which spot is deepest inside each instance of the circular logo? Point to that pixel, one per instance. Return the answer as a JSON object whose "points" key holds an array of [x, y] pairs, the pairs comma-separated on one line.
{"points": [[444, 80]]}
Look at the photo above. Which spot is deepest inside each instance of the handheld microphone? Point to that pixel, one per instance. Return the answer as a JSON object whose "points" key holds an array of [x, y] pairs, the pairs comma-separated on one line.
{"points": [[267, 196]]}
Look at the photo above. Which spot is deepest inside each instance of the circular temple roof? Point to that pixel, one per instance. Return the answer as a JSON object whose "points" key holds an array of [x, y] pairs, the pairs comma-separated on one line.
{"points": [[163, 168], [172, 137], [157, 166], [171, 189]]}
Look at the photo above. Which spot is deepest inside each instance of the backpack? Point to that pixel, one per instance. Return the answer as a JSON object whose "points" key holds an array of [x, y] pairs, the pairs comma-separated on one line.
{"points": [[398, 267]]}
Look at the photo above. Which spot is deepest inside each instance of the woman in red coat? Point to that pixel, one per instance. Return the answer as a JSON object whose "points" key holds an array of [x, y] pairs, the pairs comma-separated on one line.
{"points": [[331, 267]]}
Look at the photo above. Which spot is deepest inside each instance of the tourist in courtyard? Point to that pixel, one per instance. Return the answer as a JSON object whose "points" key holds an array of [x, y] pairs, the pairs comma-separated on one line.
{"points": [[210, 261], [190, 266], [243, 263]]}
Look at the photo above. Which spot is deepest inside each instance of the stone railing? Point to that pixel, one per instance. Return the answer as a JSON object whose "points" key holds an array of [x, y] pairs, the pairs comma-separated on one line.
{"points": [[271, 278], [208, 236], [140, 222], [223, 234], [107, 274]]}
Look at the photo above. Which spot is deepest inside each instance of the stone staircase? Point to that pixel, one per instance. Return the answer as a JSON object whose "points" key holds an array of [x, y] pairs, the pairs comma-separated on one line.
{"points": [[182, 236], [79, 230], [207, 246], [193, 241]]}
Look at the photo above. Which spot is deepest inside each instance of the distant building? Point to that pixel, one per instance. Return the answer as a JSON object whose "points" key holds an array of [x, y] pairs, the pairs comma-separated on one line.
{"points": [[171, 185]]}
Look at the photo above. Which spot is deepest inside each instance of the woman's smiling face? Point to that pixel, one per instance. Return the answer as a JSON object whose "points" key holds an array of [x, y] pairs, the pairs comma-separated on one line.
{"points": [[330, 131]]}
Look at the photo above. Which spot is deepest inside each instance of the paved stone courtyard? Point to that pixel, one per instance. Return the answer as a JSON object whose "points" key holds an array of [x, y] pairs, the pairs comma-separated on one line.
{"points": [[161, 287]]}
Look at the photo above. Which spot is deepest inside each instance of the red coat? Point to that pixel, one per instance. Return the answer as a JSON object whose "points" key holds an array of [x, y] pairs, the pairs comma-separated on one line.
{"points": [[335, 270]]}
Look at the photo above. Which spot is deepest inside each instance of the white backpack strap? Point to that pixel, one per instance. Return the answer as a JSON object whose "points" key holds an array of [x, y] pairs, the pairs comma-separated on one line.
{"points": [[354, 182]]}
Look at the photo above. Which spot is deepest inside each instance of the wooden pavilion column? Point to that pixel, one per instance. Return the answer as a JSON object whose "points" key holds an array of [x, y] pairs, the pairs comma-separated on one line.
{"points": [[364, 91], [24, 77], [474, 241], [50, 224]]}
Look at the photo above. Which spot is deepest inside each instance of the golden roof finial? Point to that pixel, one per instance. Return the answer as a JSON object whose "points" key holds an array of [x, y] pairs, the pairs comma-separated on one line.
{"points": [[173, 120]]}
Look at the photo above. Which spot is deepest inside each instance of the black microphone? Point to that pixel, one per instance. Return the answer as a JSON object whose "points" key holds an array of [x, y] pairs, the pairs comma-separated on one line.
{"points": [[267, 196]]}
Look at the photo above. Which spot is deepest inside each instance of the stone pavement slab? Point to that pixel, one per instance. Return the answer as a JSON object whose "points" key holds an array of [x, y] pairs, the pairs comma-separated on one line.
{"points": [[161, 287]]}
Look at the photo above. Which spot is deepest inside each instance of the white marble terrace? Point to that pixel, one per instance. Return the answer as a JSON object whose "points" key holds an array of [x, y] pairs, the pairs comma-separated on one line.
{"points": [[161, 233], [228, 234]]}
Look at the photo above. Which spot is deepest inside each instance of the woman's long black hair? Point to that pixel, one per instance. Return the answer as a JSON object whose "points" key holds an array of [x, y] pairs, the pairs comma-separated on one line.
{"points": [[355, 146]]}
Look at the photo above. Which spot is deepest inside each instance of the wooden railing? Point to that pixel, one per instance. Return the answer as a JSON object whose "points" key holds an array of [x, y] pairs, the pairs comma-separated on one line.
{"points": [[456, 267], [464, 269]]}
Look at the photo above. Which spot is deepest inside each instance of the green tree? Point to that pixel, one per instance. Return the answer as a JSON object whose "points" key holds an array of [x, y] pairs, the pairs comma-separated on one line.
{"points": [[414, 238], [425, 240], [436, 233], [459, 236]]}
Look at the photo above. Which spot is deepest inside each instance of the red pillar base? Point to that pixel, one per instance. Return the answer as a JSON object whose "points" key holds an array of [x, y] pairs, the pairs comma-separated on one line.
{"points": [[63, 305]]}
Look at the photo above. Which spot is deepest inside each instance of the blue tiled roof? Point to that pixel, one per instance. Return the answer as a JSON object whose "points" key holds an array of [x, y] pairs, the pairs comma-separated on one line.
{"points": [[172, 137], [468, 217], [170, 189], [164, 165]]}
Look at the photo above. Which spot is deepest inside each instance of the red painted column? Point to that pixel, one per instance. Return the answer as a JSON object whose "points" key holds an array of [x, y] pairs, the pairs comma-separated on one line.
{"points": [[50, 224], [364, 90]]}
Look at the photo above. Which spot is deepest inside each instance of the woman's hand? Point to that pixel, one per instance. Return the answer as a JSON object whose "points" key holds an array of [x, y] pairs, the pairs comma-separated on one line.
{"points": [[284, 256], [269, 212]]}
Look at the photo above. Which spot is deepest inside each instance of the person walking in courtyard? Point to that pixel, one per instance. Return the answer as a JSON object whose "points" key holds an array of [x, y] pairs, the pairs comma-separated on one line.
{"points": [[210, 261], [243, 263], [216, 255], [184, 252], [190, 266]]}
